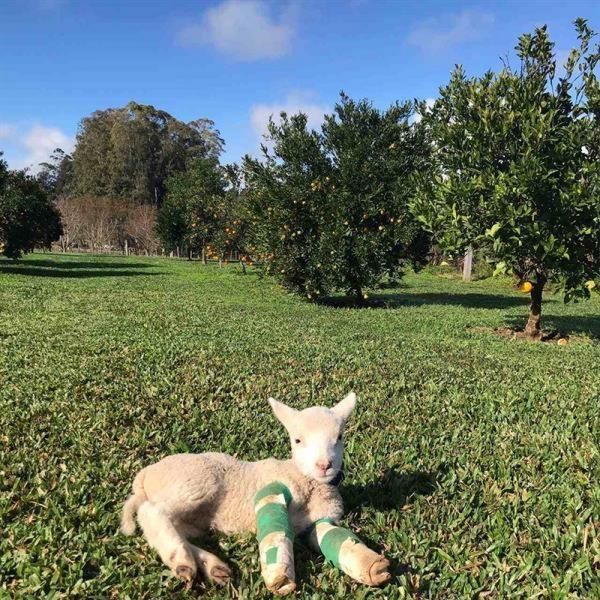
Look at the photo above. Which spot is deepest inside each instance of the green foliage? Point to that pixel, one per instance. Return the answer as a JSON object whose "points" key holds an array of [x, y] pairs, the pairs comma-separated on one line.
{"points": [[205, 210], [232, 230], [471, 460], [130, 152], [516, 171], [27, 217], [330, 207], [189, 216], [56, 175], [287, 201]]}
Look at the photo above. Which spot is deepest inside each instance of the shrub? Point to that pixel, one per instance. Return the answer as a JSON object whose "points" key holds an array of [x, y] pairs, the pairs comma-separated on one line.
{"points": [[330, 207], [27, 217]]}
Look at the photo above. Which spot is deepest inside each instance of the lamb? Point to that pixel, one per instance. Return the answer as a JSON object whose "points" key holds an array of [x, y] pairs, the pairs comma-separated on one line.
{"points": [[182, 495]]}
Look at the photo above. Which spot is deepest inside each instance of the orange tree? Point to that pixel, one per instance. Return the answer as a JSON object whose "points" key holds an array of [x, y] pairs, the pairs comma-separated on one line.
{"points": [[28, 219], [330, 207], [190, 215], [516, 168], [231, 232]]}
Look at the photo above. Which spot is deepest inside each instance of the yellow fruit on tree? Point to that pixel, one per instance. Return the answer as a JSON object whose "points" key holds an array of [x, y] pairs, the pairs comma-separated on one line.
{"points": [[590, 285], [526, 287]]}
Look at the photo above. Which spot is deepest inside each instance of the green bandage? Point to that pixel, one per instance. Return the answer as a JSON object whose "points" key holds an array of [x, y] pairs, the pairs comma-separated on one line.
{"points": [[275, 537], [343, 548]]}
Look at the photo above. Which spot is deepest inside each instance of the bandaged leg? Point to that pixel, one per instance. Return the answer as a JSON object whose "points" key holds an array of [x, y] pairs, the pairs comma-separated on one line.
{"points": [[342, 548], [275, 538]]}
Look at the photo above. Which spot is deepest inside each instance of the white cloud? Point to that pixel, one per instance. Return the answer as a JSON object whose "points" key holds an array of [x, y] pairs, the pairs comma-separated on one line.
{"points": [[242, 29], [40, 142], [439, 34], [293, 104], [30, 147]]}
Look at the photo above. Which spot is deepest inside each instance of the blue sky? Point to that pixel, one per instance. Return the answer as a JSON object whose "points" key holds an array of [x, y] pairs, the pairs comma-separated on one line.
{"points": [[237, 61]]}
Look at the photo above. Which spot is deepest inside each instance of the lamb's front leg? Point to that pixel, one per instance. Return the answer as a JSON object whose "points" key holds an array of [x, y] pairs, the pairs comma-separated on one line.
{"points": [[275, 538], [342, 547]]}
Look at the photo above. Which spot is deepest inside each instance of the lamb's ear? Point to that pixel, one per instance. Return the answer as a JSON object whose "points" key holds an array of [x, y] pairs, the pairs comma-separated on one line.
{"points": [[343, 408], [286, 414]]}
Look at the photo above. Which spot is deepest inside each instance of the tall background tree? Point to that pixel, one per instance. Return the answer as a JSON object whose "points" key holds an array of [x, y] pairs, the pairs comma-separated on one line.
{"points": [[28, 219], [516, 169], [330, 207], [130, 152], [56, 175]]}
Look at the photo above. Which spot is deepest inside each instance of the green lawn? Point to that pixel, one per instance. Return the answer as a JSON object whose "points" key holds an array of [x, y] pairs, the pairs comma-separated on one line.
{"points": [[472, 459]]}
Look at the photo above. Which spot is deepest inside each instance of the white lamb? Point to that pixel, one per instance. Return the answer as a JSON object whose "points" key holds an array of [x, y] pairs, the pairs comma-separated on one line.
{"points": [[184, 494]]}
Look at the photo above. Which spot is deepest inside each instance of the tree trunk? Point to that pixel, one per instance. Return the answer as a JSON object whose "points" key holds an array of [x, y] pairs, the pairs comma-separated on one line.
{"points": [[243, 265], [533, 328], [359, 297], [203, 255]]}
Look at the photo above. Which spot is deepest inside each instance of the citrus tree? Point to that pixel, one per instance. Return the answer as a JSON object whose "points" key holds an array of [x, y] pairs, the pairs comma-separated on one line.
{"points": [[231, 231], [28, 219], [189, 216], [515, 168], [288, 207], [331, 207]]}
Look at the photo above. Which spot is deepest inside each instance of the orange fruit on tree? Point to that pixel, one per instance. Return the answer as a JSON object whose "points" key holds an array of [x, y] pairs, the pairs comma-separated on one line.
{"points": [[526, 287]]}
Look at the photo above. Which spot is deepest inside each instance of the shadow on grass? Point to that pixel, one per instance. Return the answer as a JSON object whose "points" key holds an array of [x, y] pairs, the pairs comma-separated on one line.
{"points": [[562, 326], [70, 272], [77, 264], [468, 300], [393, 490]]}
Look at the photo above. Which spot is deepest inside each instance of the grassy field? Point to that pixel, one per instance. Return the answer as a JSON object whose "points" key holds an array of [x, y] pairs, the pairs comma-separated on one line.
{"points": [[472, 459]]}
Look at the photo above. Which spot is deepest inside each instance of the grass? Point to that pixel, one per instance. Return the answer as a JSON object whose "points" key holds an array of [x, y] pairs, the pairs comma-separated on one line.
{"points": [[472, 460]]}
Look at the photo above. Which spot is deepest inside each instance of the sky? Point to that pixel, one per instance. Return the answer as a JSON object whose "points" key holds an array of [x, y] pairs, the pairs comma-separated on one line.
{"points": [[239, 61]]}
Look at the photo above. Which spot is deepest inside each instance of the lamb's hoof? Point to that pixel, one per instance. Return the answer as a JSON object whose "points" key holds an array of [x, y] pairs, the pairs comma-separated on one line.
{"points": [[378, 573], [282, 585], [219, 574], [186, 574]]}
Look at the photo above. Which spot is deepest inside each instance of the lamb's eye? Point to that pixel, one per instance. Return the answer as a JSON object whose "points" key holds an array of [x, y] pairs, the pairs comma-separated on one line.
{"points": [[297, 441], [340, 437]]}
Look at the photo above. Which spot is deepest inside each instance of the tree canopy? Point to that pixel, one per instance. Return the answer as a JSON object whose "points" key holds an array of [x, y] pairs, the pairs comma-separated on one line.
{"points": [[27, 217], [56, 175], [330, 206], [130, 152]]}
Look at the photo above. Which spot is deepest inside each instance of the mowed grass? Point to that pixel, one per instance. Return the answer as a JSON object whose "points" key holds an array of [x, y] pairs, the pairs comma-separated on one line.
{"points": [[472, 460]]}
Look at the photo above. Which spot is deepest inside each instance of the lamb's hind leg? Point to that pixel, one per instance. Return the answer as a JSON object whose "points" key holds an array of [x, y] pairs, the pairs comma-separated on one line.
{"points": [[212, 567], [163, 536]]}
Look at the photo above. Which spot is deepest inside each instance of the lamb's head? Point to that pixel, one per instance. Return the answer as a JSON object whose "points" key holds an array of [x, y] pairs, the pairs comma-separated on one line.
{"points": [[316, 435]]}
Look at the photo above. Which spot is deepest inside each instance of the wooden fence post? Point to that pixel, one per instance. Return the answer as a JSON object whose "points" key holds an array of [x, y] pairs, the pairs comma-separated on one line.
{"points": [[468, 264]]}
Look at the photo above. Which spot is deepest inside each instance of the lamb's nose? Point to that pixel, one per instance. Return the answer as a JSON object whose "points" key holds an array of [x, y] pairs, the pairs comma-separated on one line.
{"points": [[323, 465]]}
